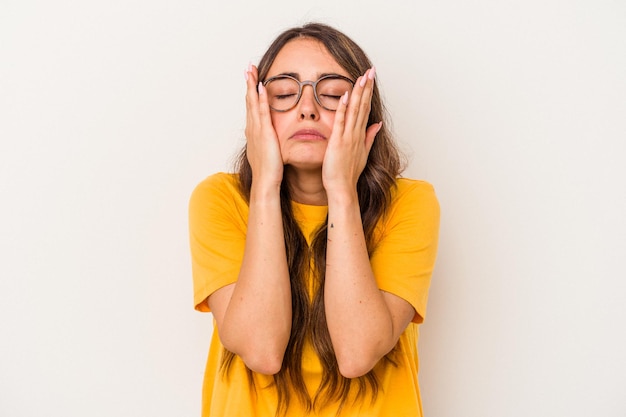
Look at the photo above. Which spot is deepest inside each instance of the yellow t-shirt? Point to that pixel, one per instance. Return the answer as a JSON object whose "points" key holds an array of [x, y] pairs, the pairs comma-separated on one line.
{"points": [[402, 263]]}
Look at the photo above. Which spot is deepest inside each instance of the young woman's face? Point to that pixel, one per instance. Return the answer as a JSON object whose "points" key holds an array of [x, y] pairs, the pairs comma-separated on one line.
{"points": [[304, 130]]}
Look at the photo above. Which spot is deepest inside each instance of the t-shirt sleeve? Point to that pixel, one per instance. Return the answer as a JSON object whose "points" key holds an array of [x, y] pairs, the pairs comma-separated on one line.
{"points": [[217, 234], [404, 258]]}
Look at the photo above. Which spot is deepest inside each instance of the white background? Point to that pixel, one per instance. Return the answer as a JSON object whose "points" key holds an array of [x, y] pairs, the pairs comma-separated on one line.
{"points": [[112, 111]]}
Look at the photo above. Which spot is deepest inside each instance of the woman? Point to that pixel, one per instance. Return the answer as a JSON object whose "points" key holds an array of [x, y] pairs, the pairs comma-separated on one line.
{"points": [[314, 258]]}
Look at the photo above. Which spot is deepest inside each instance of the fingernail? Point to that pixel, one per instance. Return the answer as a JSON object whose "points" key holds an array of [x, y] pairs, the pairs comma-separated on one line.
{"points": [[372, 73], [344, 99], [363, 80], [380, 126], [261, 88], [245, 74]]}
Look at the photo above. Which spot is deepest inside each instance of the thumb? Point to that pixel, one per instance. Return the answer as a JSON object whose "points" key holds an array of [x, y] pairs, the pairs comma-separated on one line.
{"points": [[371, 133]]}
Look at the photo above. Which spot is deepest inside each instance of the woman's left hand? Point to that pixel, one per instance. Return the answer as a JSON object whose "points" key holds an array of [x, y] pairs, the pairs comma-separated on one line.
{"points": [[351, 140]]}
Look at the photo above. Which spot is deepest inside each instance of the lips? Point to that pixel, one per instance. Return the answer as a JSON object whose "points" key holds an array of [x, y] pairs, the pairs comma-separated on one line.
{"points": [[308, 134]]}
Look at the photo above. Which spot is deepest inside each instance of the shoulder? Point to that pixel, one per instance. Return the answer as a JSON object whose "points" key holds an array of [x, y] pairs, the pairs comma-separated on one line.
{"points": [[413, 211], [414, 194], [218, 182], [409, 185], [218, 191], [218, 185]]}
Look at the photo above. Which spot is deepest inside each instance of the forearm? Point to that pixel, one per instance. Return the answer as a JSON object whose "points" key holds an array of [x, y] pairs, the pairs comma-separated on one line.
{"points": [[359, 320], [257, 322]]}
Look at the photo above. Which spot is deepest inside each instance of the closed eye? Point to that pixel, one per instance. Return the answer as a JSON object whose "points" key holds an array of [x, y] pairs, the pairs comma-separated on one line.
{"points": [[284, 96], [331, 96]]}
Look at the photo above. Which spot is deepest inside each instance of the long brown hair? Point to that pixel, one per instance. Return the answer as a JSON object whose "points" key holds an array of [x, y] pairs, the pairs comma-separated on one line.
{"points": [[374, 189]]}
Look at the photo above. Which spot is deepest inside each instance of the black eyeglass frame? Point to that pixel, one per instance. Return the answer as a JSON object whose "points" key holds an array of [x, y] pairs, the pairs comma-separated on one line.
{"points": [[301, 85]]}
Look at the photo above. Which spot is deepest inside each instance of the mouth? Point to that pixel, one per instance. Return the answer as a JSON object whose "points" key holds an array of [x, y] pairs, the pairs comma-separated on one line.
{"points": [[308, 134]]}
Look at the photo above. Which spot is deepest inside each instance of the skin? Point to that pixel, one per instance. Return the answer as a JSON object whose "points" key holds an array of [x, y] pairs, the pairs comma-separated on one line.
{"points": [[321, 153]]}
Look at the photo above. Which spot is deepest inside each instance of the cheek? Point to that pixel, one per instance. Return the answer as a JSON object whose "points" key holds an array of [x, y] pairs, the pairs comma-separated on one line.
{"points": [[278, 122], [329, 118], [282, 127]]}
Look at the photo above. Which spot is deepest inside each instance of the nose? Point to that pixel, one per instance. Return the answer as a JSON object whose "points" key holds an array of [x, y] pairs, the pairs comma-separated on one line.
{"points": [[307, 107]]}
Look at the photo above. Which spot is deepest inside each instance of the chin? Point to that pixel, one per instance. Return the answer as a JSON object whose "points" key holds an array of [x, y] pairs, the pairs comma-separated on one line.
{"points": [[305, 164], [305, 160]]}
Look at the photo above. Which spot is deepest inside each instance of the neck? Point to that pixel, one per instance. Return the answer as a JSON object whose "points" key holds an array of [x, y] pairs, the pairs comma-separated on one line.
{"points": [[306, 187]]}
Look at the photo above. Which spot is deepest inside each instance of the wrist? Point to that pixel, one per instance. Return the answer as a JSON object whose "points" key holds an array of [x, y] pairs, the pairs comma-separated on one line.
{"points": [[265, 191], [342, 197]]}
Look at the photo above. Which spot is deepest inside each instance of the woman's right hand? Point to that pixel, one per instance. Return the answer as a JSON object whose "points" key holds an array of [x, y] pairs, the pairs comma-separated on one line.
{"points": [[262, 285], [262, 147]]}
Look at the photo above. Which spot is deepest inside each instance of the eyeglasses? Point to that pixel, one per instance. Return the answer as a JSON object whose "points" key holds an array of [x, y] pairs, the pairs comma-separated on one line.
{"points": [[284, 91]]}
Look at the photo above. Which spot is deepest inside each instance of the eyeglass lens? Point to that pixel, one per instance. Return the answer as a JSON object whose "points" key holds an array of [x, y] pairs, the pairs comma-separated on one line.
{"points": [[283, 92]]}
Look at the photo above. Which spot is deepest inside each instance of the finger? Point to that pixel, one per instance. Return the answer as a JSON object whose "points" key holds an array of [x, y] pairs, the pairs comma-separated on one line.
{"points": [[360, 103], [352, 110], [370, 135], [365, 104], [340, 116], [263, 108], [252, 97]]}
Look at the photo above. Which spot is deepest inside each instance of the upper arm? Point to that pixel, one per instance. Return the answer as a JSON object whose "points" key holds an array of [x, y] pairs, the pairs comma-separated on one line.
{"points": [[404, 258], [217, 220], [401, 312], [218, 303]]}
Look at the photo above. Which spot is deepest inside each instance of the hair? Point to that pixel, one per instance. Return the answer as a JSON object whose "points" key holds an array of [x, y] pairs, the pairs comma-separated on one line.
{"points": [[374, 188]]}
